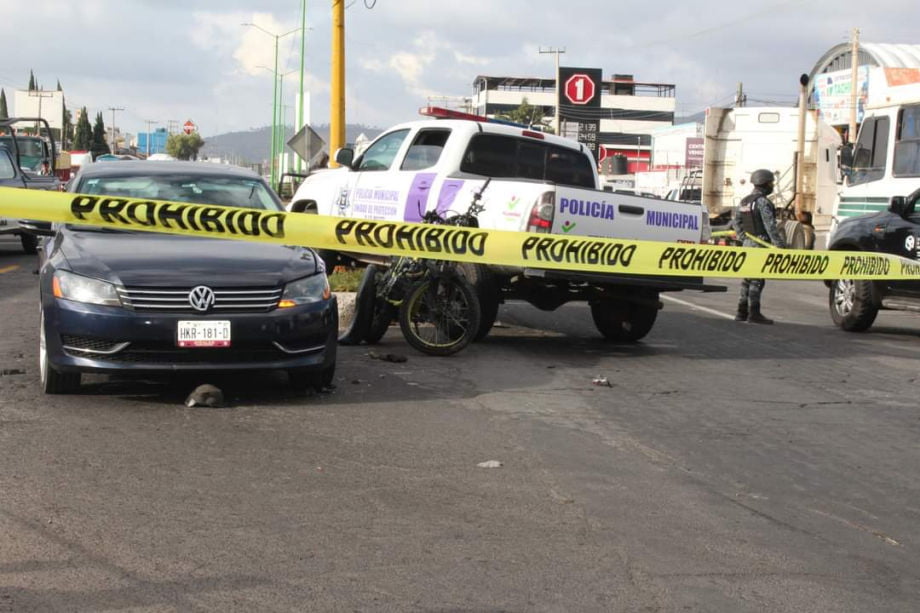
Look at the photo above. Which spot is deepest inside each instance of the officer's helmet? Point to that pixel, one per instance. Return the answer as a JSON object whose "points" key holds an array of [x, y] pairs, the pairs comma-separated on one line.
{"points": [[762, 177]]}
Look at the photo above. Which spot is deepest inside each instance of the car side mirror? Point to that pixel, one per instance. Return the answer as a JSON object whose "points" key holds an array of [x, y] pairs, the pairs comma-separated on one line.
{"points": [[903, 206], [344, 156], [897, 205], [299, 207]]}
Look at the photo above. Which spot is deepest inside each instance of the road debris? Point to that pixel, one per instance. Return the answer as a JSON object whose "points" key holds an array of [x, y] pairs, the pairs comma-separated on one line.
{"points": [[490, 464], [602, 381], [205, 395], [387, 357]]}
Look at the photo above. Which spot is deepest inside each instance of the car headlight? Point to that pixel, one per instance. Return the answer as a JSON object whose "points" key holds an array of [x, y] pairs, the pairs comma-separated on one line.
{"points": [[305, 291], [78, 288]]}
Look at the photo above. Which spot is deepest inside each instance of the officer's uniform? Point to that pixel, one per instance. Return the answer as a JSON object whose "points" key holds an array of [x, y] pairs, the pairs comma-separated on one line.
{"points": [[755, 216]]}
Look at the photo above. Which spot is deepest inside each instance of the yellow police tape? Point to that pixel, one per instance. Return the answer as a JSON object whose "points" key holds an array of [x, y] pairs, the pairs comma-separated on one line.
{"points": [[516, 249], [732, 234]]}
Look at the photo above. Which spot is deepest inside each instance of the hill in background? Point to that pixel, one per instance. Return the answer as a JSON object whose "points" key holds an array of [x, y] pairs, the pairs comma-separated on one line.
{"points": [[252, 146]]}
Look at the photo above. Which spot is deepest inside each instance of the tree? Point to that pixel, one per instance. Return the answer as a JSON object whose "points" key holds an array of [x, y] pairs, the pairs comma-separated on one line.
{"points": [[98, 145], [184, 146], [32, 85], [83, 136], [4, 113], [526, 114]]}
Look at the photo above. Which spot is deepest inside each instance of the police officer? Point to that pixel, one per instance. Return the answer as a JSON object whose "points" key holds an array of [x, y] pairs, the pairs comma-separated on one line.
{"points": [[756, 216]]}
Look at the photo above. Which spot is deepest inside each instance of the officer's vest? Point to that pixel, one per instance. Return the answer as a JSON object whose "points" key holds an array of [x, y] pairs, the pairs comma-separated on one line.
{"points": [[751, 222]]}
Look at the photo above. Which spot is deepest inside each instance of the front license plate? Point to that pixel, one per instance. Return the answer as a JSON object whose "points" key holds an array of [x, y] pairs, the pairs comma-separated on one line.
{"points": [[203, 334]]}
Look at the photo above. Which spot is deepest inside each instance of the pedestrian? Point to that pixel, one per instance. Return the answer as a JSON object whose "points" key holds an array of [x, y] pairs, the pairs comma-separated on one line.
{"points": [[756, 217]]}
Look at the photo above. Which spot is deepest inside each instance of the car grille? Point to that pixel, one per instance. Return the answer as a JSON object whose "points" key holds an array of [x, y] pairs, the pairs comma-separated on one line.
{"points": [[167, 353], [175, 300]]}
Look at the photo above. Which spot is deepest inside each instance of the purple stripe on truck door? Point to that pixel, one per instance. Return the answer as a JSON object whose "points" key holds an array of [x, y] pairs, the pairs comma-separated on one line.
{"points": [[417, 198], [449, 189]]}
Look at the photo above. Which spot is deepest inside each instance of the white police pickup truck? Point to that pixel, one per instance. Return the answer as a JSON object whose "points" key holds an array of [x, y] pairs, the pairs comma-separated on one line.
{"points": [[539, 183]]}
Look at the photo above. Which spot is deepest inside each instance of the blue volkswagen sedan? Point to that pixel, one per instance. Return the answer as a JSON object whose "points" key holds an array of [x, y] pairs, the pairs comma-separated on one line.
{"points": [[121, 301]]}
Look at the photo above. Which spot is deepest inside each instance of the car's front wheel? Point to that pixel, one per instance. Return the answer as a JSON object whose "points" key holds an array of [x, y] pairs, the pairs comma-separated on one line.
{"points": [[53, 381], [851, 304]]}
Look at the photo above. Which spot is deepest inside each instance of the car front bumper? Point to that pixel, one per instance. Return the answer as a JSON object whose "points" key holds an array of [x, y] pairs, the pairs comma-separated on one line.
{"points": [[90, 338]]}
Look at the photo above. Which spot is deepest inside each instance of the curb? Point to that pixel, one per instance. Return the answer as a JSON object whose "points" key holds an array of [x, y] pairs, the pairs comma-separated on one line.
{"points": [[346, 302]]}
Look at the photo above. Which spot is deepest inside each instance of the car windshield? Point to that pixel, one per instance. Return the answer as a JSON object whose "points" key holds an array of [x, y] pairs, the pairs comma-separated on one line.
{"points": [[242, 192]]}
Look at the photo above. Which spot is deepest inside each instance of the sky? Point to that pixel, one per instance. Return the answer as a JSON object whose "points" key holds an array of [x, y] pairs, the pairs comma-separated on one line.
{"points": [[164, 61]]}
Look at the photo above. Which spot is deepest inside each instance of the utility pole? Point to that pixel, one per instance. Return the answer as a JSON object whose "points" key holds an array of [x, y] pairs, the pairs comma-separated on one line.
{"points": [[149, 122], [854, 76], [740, 98], [556, 51], [337, 92], [114, 140]]}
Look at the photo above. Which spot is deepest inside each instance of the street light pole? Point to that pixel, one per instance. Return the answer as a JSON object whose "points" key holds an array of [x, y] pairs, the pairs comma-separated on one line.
{"points": [[301, 120], [556, 51], [281, 127], [275, 112]]}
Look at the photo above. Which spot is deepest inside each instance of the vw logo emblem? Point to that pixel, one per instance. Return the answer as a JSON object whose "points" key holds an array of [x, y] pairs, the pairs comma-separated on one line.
{"points": [[910, 243], [201, 298]]}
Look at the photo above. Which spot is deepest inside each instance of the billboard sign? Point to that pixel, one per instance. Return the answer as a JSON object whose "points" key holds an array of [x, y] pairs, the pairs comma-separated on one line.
{"points": [[833, 95], [579, 103], [693, 154]]}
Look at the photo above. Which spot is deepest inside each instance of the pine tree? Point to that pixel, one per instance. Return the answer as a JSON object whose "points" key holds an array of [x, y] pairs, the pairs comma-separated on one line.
{"points": [[4, 113], [32, 86], [83, 136], [99, 146]]}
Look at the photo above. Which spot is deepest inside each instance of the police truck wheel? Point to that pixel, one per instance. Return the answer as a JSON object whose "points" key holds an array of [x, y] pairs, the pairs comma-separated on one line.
{"points": [[360, 323], [487, 291], [620, 320], [851, 304], [383, 313], [29, 243]]}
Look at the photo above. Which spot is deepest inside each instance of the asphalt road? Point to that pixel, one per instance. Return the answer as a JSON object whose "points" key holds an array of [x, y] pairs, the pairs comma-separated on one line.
{"points": [[726, 467]]}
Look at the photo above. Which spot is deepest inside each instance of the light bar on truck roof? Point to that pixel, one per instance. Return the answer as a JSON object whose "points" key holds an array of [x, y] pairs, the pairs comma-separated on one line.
{"points": [[442, 113]]}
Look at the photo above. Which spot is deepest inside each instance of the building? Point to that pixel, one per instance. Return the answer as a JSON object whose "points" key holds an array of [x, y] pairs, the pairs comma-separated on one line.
{"points": [[626, 111], [156, 141], [879, 66]]}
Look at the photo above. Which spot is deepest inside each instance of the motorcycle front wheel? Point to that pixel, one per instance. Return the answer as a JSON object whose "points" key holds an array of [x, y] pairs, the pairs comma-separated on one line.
{"points": [[440, 314]]}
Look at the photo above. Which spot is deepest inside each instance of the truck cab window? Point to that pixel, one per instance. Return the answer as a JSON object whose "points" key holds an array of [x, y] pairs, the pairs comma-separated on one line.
{"points": [[907, 145], [871, 151], [380, 155], [500, 156], [425, 150]]}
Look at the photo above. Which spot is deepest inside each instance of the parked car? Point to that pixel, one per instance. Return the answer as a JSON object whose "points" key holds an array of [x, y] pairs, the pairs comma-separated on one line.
{"points": [[121, 301]]}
